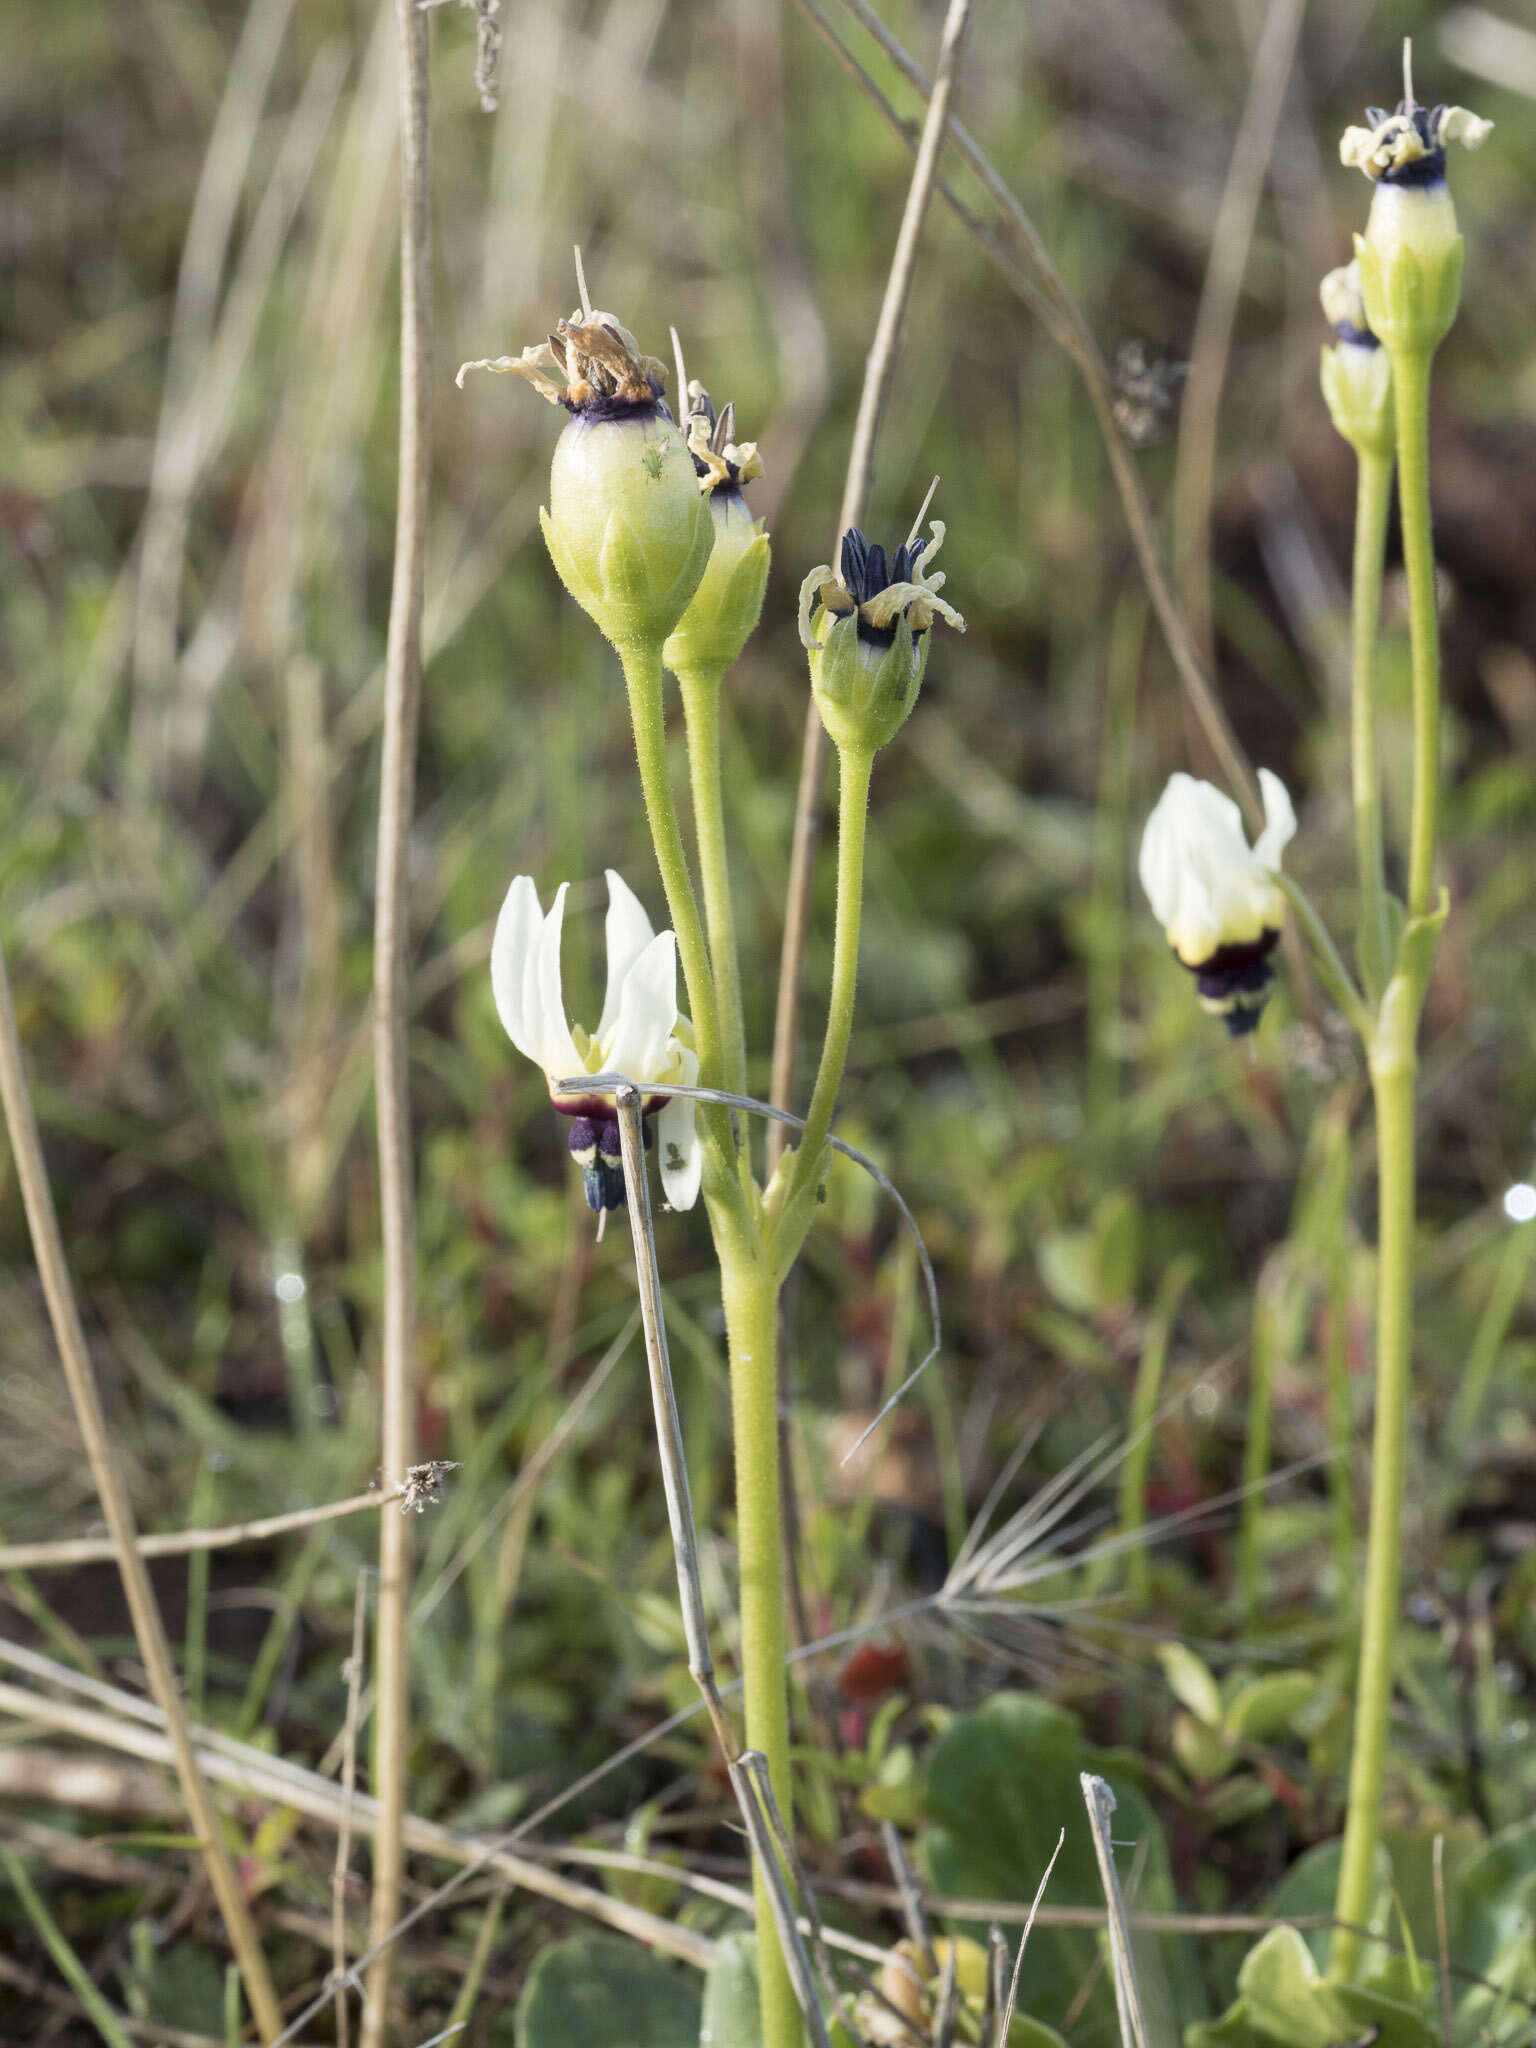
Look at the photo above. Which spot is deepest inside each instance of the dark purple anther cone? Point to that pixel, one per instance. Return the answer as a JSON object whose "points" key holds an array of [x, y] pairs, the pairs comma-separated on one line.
{"points": [[866, 572], [596, 1150]]}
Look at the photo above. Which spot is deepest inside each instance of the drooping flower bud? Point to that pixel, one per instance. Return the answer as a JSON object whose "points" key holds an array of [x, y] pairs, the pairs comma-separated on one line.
{"points": [[1411, 252], [625, 525], [725, 608], [1216, 897], [1356, 371], [867, 635]]}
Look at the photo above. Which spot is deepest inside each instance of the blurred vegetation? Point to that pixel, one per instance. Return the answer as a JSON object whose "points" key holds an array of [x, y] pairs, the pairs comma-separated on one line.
{"points": [[197, 410]]}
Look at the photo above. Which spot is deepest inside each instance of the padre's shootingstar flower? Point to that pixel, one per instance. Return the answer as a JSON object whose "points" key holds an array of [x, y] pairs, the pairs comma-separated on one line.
{"points": [[625, 525], [724, 610], [867, 634], [1410, 254], [639, 1035], [1356, 372], [1216, 897]]}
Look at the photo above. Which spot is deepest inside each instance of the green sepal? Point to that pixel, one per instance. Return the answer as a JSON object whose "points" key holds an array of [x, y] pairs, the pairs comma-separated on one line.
{"points": [[565, 563], [1411, 294], [723, 612], [865, 694], [1357, 386], [1420, 938]]}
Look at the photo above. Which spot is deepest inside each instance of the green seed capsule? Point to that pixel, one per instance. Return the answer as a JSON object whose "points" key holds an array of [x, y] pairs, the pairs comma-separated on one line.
{"points": [[625, 525]]}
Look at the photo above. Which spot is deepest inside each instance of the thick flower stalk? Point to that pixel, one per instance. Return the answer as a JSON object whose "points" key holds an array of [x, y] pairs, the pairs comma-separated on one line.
{"points": [[867, 634], [1356, 376], [1219, 900], [1410, 259], [640, 1034], [720, 619]]}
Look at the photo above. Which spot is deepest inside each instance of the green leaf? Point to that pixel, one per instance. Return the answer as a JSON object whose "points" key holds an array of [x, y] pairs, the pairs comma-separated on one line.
{"points": [[731, 2017], [1269, 1706], [1003, 1782], [1284, 1999], [1492, 1911], [600, 1992], [1191, 1683]]}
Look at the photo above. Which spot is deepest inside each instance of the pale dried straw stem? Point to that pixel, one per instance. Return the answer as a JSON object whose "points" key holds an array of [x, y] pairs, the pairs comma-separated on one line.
{"points": [[1194, 485], [76, 1550], [1021, 257], [878, 370], [402, 689], [43, 1222]]}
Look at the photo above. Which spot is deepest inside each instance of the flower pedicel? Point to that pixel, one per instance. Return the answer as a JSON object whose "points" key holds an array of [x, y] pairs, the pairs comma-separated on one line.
{"points": [[640, 1034], [1216, 897]]}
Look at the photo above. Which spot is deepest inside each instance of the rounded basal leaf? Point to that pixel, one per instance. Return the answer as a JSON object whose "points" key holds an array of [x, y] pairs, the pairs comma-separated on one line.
{"points": [[600, 1992], [1003, 1782], [1266, 1710], [732, 2017]]}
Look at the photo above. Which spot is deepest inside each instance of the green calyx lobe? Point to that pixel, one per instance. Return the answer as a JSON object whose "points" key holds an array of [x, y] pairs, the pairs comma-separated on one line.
{"points": [[723, 612], [625, 527], [1410, 268], [865, 693], [1357, 387]]}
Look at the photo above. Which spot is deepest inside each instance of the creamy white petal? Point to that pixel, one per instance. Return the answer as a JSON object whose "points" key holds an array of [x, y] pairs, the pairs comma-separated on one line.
{"points": [[1207, 887], [677, 1140], [544, 1002], [628, 932], [1279, 820], [639, 1043], [517, 933]]}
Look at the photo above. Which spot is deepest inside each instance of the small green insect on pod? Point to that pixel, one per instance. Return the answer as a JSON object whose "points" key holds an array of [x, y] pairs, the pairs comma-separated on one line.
{"points": [[867, 635], [625, 525]]}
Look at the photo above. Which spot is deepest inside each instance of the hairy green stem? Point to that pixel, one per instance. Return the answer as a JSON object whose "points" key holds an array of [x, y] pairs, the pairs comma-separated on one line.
{"points": [[750, 1295], [1393, 1063], [701, 716], [853, 772], [1373, 498], [1410, 390]]}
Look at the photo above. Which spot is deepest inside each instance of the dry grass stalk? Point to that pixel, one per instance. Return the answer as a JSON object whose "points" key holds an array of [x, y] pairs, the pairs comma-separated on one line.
{"points": [[31, 1557], [43, 1222], [878, 370], [1020, 255], [402, 688], [1194, 485]]}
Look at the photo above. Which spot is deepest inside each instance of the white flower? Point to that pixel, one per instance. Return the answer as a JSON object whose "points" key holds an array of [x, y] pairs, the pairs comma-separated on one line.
{"points": [[1217, 899], [639, 1035]]}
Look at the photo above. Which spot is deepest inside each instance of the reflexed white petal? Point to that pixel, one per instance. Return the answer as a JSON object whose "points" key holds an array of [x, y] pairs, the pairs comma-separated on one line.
{"points": [[638, 1046], [1207, 887], [1279, 820], [677, 1140], [1470, 130], [543, 1001], [517, 933], [629, 932]]}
